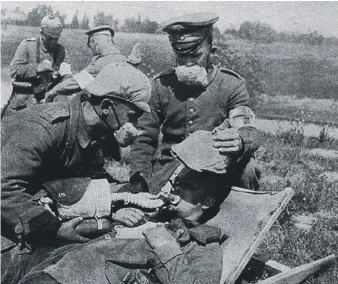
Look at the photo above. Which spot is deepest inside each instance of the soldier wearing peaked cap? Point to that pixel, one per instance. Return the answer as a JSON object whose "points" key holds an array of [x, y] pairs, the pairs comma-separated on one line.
{"points": [[58, 140], [195, 95], [101, 43], [38, 64]]}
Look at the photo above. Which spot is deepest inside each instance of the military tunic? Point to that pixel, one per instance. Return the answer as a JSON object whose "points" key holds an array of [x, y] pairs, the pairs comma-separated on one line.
{"points": [[23, 69], [34, 150], [178, 110], [112, 259], [70, 85]]}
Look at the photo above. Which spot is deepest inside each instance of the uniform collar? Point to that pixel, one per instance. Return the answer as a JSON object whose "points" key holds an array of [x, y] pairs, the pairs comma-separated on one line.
{"points": [[212, 75], [110, 50]]}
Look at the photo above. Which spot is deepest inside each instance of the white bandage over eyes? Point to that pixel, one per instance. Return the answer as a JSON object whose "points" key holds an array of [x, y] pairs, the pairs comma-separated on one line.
{"points": [[241, 116]]}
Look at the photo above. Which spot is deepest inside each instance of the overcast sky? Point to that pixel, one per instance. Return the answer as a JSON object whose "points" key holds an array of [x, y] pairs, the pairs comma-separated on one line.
{"points": [[299, 16]]}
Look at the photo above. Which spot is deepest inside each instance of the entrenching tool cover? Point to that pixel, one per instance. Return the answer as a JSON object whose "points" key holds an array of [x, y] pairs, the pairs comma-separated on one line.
{"points": [[246, 216]]}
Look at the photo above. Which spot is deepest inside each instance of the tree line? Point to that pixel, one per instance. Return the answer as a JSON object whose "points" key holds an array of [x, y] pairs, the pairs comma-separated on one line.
{"points": [[252, 31], [34, 17]]}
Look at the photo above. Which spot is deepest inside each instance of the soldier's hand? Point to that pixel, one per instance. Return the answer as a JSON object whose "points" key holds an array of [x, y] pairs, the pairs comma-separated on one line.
{"points": [[44, 66], [227, 141], [68, 234], [130, 217], [161, 236]]}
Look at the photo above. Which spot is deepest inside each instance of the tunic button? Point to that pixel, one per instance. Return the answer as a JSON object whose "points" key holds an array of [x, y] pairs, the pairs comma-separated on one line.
{"points": [[191, 100], [190, 122], [191, 110]]}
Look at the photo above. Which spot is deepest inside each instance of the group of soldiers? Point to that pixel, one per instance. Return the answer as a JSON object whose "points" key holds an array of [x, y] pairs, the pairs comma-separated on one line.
{"points": [[57, 124]]}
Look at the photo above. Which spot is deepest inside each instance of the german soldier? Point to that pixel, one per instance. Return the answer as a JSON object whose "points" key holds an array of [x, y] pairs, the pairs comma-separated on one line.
{"points": [[38, 64], [101, 43], [54, 141], [195, 95]]}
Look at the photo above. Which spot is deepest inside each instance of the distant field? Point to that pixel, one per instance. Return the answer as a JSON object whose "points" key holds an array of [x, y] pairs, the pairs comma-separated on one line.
{"points": [[297, 71]]}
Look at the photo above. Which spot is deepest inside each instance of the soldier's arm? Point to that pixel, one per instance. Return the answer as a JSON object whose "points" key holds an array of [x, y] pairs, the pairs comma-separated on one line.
{"points": [[21, 67], [205, 266], [242, 117], [192, 265], [144, 147], [68, 86], [77, 82], [23, 154]]}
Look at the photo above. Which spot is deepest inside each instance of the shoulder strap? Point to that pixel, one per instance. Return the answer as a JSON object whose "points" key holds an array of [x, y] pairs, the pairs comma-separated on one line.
{"points": [[38, 51], [231, 72]]}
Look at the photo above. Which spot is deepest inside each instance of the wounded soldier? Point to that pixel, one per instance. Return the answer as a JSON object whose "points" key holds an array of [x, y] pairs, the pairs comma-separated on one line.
{"points": [[174, 247]]}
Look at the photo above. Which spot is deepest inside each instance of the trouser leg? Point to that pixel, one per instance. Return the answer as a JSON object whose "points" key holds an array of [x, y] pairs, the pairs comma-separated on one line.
{"points": [[15, 264]]}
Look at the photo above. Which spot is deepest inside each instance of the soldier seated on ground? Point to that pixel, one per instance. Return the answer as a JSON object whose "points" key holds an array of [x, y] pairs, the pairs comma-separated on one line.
{"points": [[38, 64], [179, 249]]}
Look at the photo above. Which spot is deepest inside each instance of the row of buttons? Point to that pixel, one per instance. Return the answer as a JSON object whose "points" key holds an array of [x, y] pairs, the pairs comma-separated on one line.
{"points": [[191, 110]]}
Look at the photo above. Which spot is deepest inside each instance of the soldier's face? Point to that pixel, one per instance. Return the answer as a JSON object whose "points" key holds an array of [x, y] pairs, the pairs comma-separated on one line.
{"points": [[49, 42], [199, 57], [92, 45]]}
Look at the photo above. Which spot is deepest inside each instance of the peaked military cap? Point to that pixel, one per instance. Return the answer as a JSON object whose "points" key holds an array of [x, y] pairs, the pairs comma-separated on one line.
{"points": [[104, 29], [187, 32], [122, 81]]}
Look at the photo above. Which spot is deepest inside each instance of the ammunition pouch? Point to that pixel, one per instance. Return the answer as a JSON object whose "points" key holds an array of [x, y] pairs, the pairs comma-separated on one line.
{"points": [[22, 87]]}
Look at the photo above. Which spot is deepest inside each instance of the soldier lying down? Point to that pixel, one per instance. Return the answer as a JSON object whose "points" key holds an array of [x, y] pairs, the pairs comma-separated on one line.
{"points": [[172, 246]]}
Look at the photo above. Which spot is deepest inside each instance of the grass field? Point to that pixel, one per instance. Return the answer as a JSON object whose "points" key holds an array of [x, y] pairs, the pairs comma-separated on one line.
{"points": [[302, 84], [308, 229], [295, 75]]}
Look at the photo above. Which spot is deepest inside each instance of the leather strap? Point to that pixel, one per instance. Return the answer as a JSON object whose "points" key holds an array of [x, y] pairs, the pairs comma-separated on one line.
{"points": [[72, 127]]}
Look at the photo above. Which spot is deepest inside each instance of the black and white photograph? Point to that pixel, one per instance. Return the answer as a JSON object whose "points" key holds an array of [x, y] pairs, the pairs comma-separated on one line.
{"points": [[169, 142]]}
